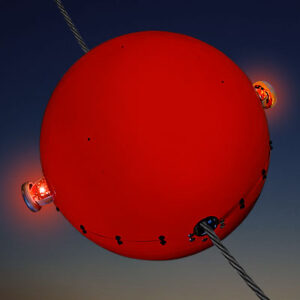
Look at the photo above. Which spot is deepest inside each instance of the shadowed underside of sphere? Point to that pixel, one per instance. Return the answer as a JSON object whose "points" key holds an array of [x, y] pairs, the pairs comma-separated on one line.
{"points": [[146, 135]]}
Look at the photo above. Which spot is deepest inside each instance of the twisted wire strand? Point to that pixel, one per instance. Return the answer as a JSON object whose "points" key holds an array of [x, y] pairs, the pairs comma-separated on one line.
{"points": [[71, 25], [233, 262]]}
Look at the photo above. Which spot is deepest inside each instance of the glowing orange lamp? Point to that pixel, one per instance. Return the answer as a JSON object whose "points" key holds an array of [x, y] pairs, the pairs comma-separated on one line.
{"points": [[36, 194], [266, 93]]}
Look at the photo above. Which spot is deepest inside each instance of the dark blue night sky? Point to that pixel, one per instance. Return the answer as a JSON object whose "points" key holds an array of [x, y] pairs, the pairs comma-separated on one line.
{"points": [[42, 256]]}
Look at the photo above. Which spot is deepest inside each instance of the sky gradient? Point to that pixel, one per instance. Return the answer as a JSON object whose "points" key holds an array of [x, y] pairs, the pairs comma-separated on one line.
{"points": [[42, 256]]}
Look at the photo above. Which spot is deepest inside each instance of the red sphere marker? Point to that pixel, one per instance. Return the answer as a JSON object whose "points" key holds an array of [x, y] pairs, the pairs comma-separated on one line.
{"points": [[146, 135]]}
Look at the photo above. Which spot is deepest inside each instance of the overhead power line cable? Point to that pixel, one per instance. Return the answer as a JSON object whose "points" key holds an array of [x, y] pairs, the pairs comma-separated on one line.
{"points": [[71, 25], [233, 262]]}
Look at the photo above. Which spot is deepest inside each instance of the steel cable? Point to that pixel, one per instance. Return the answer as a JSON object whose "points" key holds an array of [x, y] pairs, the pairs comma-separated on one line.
{"points": [[233, 262], [71, 25]]}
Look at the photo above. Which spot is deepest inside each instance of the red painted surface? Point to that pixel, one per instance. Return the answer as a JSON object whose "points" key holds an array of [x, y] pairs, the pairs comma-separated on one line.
{"points": [[146, 135]]}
